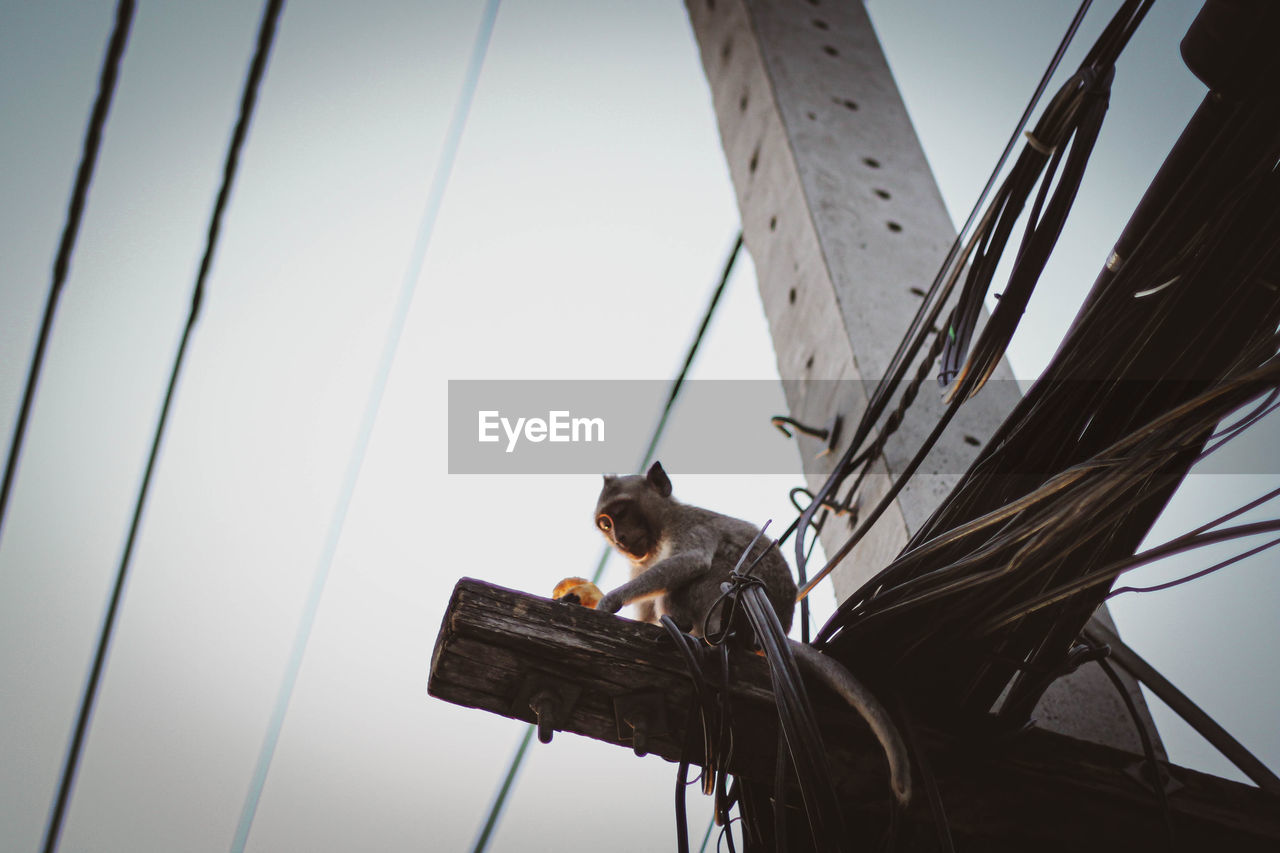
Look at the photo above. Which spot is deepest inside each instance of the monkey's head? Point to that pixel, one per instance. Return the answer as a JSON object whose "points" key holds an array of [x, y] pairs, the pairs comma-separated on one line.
{"points": [[631, 510]]}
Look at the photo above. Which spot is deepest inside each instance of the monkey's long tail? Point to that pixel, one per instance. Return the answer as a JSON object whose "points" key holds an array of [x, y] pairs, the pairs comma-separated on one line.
{"points": [[833, 674]]}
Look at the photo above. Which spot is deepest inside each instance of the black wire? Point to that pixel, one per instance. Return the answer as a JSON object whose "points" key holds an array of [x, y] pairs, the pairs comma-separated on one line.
{"points": [[682, 782], [1148, 748], [902, 358], [717, 732], [780, 795], [1069, 107], [726, 834], [953, 576], [257, 68], [1197, 575], [798, 727], [797, 722], [724, 739], [1018, 531], [899, 483], [676, 384], [1111, 570], [687, 648], [70, 229], [942, 826]]}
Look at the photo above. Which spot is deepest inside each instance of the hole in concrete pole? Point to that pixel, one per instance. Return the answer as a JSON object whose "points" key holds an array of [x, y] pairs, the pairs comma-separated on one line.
{"points": [[773, 223], [915, 291], [726, 50], [755, 161], [791, 297], [742, 102], [882, 193], [971, 441], [808, 363], [829, 50], [893, 226], [711, 5], [821, 24], [812, 115], [846, 103], [871, 162]]}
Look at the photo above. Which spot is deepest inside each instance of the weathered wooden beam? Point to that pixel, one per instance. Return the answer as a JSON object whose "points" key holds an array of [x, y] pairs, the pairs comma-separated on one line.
{"points": [[497, 649]]}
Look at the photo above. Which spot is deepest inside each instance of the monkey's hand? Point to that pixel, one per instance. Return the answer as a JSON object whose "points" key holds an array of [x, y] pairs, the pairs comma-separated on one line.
{"points": [[611, 603]]}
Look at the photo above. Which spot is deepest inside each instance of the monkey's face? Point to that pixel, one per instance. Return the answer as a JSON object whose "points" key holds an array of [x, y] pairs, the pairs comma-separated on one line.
{"points": [[630, 511], [626, 528]]}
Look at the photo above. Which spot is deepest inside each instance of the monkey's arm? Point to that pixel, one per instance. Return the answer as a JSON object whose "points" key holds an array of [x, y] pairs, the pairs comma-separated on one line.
{"points": [[674, 571]]}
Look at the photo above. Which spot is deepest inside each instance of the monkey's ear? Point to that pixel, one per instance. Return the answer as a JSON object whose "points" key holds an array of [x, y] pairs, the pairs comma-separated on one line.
{"points": [[659, 479]]}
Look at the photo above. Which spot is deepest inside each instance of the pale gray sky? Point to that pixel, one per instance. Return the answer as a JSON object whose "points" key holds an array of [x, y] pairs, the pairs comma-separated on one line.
{"points": [[588, 214]]}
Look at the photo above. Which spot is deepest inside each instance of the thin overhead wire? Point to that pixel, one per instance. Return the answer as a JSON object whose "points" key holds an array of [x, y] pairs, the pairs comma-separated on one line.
{"points": [[253, 80], [678, 382], [70, 230], [517, 759], [426, 227]]}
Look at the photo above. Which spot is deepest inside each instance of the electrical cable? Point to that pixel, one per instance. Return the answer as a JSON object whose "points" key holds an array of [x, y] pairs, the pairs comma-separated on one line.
{"points": [[257, 69], [797, 723], [426, 228], [906, 352], [780, 795], [678, 382], [71, 228], [682, 777], [942, 827], [1110, 571], [894, 588], [1148, 749], [1197, 575], [517, 759], [932, 305], [800, 744], [1127, 659], [1252, 190]]}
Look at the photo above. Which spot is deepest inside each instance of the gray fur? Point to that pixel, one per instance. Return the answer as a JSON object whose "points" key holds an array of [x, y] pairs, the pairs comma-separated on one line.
{"points": [[680, 554]]}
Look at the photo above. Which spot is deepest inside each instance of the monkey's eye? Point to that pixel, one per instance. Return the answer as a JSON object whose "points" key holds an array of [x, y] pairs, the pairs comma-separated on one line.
{"points": [[604, 522]]}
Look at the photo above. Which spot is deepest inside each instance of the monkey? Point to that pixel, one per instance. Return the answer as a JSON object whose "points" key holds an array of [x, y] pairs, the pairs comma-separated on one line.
{"points": [[680, 555]]}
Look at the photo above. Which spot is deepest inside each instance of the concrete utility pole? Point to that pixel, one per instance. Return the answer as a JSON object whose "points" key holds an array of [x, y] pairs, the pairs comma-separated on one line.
{"points": [[847, 227]]}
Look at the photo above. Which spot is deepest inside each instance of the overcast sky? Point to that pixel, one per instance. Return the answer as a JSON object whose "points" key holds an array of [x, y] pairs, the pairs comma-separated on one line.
{"points": [[587, 217]]}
